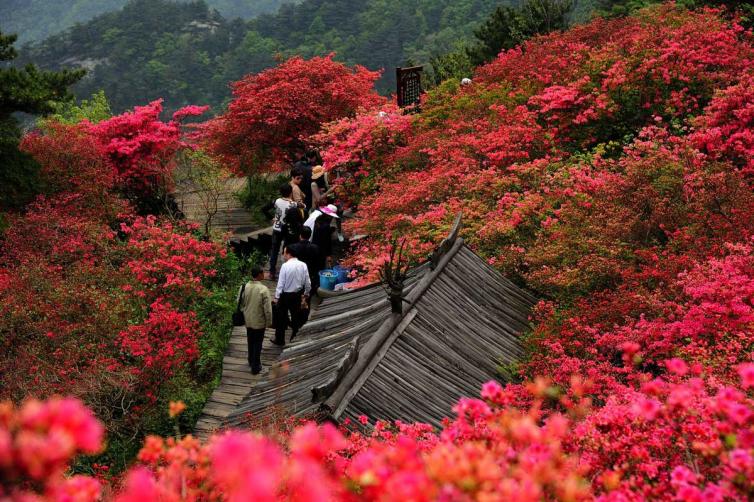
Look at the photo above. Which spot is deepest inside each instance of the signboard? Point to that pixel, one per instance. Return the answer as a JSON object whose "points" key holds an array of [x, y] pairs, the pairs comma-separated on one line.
{"points": [[409, 85]]}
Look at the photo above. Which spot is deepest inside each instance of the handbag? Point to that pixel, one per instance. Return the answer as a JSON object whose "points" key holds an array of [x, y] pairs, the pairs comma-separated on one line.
{"points": [[275, 314], [238, 318]]}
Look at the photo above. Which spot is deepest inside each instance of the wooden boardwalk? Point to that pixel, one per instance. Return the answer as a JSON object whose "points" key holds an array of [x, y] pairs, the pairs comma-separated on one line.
{"points": [[237, 379], [231, 215]]}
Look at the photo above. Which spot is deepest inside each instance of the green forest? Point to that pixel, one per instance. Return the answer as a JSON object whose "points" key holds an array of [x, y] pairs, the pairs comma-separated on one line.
{"points": [[35, 20], [188, 52]]}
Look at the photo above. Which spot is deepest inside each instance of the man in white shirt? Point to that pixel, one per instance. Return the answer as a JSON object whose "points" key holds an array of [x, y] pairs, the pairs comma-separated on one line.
{"points": [[291, 295]]}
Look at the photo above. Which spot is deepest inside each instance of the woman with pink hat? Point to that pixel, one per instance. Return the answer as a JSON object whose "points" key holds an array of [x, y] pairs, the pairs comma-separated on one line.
{"points": [[320, 222]]}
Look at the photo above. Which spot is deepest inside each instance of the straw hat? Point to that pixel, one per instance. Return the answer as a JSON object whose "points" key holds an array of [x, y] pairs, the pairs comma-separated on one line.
{"points": [[317, 172], [330, 210]]}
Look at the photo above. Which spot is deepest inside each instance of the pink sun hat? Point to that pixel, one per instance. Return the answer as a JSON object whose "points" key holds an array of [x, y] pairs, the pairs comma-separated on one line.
{"points": [[330, 210]]}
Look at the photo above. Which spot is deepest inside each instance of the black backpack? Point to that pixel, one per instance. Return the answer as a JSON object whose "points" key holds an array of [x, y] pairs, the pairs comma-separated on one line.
{"points": [[294, 220]]}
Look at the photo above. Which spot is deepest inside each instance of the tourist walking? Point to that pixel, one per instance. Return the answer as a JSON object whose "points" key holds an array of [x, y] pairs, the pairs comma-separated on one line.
{"points": [[297, 178], [306, 165], [256, 305], [291, 295], [279, 230], [330, 210], [310, 254], [322, 231], [318, 186]]}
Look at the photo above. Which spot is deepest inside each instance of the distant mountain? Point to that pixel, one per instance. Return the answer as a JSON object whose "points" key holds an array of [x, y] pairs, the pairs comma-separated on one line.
{"points": [[188, 53], [35, 20]]}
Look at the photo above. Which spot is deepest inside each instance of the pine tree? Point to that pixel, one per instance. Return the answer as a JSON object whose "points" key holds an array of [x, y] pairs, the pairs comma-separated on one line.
{"points": [[507, 27], [28, 90]]}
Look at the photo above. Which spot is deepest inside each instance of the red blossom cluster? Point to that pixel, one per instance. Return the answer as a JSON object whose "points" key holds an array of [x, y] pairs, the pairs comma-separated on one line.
{"points": [[352, 143], [725, 130], [683, 437], [72, 161], [167, 260], [166, 340], [38, 442], [274, 111], [142, 147]]}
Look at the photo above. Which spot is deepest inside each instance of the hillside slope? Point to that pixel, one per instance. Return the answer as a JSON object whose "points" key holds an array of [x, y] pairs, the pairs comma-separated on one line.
{"points": [[35, 20], [187, 53]]}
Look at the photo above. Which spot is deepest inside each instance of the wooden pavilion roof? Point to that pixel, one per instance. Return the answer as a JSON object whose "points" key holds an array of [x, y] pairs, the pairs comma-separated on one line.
{"points": [[461, 320]]}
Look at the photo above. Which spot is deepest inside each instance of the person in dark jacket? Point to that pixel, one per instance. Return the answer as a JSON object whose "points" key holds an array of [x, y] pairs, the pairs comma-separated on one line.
{"points": [[309, 253], [322, 232], [306, 165]]}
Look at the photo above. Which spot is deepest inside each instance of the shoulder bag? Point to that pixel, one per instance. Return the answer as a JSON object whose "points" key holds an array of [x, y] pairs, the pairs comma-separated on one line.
{"points": [[238, 317]]}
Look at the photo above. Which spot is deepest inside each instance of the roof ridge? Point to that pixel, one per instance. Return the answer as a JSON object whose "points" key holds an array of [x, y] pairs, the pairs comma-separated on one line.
{"points": [[352, 380]]}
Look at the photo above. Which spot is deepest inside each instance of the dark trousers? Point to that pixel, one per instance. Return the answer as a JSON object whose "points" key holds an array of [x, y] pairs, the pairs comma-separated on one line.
{"points": [[255, 337], [288, 304], [277, 241]]}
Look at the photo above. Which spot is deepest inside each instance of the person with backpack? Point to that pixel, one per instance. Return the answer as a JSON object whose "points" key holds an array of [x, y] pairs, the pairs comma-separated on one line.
{"points": [[294, 221], [310, 254], [282, 208]]}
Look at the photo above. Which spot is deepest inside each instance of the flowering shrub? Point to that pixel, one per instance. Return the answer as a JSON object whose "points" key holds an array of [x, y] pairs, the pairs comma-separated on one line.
{"points": [[274, 111], [725, 131], [109, 317], [349, 144], [168, 261], [539, 130], [688, 441], [166, 340], [37, 443], [141, 147], [72, 162], [683, 437]]}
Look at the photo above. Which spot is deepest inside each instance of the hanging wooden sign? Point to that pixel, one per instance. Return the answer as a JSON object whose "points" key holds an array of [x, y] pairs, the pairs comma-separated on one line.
{"points": [[409, 85]]}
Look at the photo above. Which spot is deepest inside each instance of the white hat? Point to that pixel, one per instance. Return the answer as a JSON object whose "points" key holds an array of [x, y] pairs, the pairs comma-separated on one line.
{"points": [[466, 81], [330, 210]]}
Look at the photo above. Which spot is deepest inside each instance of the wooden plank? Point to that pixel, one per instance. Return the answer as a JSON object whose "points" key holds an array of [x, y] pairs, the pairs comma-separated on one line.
{"points": [[216, 411], [359, 382]]}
